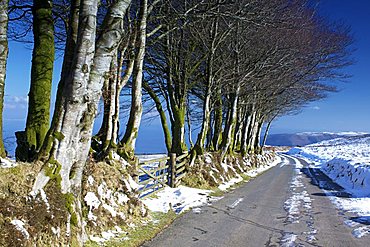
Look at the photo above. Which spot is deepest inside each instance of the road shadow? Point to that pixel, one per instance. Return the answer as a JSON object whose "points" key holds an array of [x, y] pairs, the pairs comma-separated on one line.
{"points": [[365, 220], [319, 179]]}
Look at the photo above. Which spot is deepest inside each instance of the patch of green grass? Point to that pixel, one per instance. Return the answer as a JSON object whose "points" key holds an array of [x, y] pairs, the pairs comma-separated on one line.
{"points": [[217, 192], [142, 232], [245, 177]]}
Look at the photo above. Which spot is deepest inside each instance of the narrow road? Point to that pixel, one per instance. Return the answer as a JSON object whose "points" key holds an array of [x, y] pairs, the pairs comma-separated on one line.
{"points": [[282, 207]]}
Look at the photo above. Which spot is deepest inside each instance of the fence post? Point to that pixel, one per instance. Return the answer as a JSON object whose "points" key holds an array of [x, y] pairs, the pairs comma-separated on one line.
{"points": [[172, 170]]}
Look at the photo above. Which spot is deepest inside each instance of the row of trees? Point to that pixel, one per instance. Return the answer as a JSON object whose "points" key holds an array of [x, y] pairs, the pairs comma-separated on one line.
{"points": [[228, 67]]}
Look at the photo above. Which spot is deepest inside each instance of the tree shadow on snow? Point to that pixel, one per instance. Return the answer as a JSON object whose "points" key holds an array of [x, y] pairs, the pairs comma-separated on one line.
{"points": [[365, 220], [318, 178]]}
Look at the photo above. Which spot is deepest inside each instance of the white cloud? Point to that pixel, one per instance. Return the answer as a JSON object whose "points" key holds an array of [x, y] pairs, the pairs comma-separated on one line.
{"points": [[315, 108], [13, 102]]}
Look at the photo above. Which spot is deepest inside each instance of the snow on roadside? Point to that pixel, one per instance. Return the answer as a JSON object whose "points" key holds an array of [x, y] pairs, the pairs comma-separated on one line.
{"points": [[225, 185], [299, 208], [183, 198], [360, 206], [350, 174], [255, 172], [179, 199], [251, 173], [347, 162]]}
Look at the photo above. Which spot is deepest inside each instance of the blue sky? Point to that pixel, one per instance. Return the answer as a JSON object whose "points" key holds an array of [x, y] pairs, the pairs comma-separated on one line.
{"points": [[348, 110]]}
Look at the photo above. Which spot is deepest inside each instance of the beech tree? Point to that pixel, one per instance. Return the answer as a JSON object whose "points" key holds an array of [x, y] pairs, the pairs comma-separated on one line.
{"points": [[38, 116], [3, 60], [68, 142], [127, 144]]}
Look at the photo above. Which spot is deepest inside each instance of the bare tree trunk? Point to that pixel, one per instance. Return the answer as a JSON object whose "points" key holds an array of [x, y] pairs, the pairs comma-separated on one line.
{"points": [[218, 121], [3, 60], [199, 145], [228, 138], [68, 61], [129, 139], [257, 139], [109, 96], [250, 131], [253, 134], [239, 125], [244, 137], [247, 134], [121, 82], [266, 133], [188, 120], [162, 115], [68, 152], [38, 116]]}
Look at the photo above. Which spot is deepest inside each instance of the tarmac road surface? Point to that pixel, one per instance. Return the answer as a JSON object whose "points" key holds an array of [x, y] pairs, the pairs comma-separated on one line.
{"points": [[285, 206]]}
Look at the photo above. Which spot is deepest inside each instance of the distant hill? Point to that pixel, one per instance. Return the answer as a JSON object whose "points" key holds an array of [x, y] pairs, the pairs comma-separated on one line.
{"points": [[306, 138]]}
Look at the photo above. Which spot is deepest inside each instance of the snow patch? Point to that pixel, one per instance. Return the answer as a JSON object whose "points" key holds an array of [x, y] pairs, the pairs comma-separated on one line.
{"points": [[45, 199], [7, 163], [92, 202], [225, 185], [255, 172], [346, 161], [294, 203], [361, 231], [19, 225], [288, 240], [90, 180], [179, 199]]}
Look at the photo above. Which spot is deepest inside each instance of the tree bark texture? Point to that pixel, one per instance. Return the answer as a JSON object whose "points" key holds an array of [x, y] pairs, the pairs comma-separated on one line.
{"points": [[38, 116], [218, 121], [3, 61], [129, 139], [81, 93], [228, 138], [199, 146]]}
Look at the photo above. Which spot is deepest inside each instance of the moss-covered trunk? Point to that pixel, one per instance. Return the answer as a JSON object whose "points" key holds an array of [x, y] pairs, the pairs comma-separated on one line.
{"points": [[3, 60], [68, 60], [178, 129], [66, 155], [228, 135], [38, 117], [238, 128]]}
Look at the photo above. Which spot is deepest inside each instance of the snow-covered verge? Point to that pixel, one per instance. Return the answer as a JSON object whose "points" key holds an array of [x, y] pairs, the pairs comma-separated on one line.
{"points": [[178, 199], [345, 160], [209, 171], [110, 204], [184, 198], [111, 200]]}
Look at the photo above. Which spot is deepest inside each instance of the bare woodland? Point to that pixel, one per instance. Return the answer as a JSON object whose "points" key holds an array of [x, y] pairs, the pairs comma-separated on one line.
{"points": [[224, 68]]}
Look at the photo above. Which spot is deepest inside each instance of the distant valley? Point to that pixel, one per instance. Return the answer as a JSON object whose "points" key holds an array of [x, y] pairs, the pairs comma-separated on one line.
{"points": [[306, 138]]}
